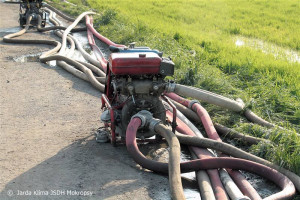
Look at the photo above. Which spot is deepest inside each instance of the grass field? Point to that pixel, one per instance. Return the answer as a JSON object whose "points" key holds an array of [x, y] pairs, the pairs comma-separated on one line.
{"points": [[209, 43]]}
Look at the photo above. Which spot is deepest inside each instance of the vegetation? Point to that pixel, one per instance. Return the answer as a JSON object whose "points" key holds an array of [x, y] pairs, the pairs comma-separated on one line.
{"points": [[200, 37]]}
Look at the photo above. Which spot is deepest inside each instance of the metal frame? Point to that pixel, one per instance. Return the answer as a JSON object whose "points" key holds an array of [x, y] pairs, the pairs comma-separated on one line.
{"points": [[174, 124], [105, 102]]}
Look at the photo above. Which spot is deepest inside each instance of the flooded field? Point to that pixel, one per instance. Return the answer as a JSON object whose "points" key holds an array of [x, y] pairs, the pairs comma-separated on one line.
{"points": [[268, 48]]}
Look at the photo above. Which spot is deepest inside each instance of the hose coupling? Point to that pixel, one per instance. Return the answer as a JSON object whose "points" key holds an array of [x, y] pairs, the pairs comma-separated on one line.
{"points": [[192, 103], [170, 87], [241, 103], [145, 117], [153, 123]]}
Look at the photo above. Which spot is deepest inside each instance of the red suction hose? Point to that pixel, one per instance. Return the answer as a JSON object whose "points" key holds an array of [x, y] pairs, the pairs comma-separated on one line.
{"points": [[101, 37], [99, 55]]}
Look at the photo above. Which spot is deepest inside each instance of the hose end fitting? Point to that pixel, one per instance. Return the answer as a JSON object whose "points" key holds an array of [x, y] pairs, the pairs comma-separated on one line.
{"points": [[145, 116], [192, 103], [170, 87], [153, 123], [241, 103]]}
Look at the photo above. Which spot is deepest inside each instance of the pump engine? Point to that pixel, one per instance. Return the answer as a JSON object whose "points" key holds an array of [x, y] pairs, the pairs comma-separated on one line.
{"points": [[135, 82]]}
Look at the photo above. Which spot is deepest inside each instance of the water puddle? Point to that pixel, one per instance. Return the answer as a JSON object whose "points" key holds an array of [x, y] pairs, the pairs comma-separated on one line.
{"points": [[268, 48], [160, 152], [82, 38], [6, 31], [32, 58], [10, 30], [27, 58], [189, 182], [11, 1], [264, 187]]}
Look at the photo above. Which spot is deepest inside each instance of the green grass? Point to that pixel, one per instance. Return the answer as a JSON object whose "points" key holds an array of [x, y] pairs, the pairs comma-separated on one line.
{"points": [[199, 36]]}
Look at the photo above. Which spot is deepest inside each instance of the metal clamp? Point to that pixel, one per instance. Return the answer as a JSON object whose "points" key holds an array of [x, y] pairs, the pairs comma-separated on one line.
{"points": [[170, 87], [192, 102], [144, 115], [153, 123]]}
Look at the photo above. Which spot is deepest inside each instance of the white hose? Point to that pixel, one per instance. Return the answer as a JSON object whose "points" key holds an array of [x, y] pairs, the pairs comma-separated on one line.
{"points": [[232, 190], [67, 31], [209, 97]]}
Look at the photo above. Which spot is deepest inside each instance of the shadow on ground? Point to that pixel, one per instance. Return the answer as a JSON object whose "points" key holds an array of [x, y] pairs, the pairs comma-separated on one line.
{"points": [[85, 165]]}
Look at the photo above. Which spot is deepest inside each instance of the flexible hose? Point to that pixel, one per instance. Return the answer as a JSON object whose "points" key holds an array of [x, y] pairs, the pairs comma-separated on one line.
{"points": [[89, 58], [50, 28], [204, 183], [91, 78], [67, 31], [221, 129], [99, 55], [96, 70], [201, 153], [101, 37], [236, 152], [87, 73], [9, 39], [186, 111], [243, 184], [232, 134], [185, 127], [209, 97], [231, 188], [258, 120], [288, 189], [174, 161], [174, 156], [58, 12], [48, 56]]}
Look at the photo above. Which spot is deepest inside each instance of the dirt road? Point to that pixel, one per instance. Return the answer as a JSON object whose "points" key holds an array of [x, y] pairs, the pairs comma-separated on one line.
{"points": [[47, 122]]}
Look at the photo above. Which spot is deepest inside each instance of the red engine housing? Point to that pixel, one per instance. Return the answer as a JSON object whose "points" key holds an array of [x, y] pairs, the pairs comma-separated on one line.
{"points": [[134, 63]]}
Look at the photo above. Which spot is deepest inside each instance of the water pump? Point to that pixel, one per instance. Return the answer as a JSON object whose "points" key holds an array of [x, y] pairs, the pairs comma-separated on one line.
{"points": [[134, 82], [33, 8]]}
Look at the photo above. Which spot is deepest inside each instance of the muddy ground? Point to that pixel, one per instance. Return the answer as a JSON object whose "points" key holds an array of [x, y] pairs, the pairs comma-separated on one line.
{"points": [[47, 123]]}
